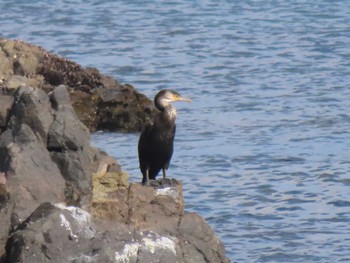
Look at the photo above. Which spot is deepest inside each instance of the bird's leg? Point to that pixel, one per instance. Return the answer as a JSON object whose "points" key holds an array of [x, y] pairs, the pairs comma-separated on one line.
{"points": [[145, 180], [164, 177], [164, 173]]}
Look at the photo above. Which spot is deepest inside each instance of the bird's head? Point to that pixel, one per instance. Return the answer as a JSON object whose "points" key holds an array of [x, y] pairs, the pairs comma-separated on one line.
{"points": [[165, 97]]}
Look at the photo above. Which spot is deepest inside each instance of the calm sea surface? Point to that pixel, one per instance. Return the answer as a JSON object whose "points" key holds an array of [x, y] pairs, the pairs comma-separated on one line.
{"points": [[264, 149]]}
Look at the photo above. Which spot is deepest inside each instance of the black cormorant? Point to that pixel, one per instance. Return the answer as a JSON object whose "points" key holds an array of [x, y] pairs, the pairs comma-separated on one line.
{"points": [[156, 142]]}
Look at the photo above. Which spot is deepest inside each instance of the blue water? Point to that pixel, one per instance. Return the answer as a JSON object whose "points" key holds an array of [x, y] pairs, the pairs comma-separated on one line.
{"points": [[263, 150]]}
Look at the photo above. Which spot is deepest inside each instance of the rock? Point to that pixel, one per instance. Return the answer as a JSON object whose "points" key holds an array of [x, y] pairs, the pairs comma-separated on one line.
{"points": [[33, 108], [4, 191], [195, 235], [50, 234], [155, 209], [28, 165], [69, 145], [158, 209], [99, 101], [122, 107], [46, 159], [6, 104], [66, 131], [55, 233], [15, 81], [34, 171], [6, 66]]}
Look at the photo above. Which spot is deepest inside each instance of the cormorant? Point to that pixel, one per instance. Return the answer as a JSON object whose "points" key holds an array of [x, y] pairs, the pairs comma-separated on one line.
{"points": [[156, 142]]}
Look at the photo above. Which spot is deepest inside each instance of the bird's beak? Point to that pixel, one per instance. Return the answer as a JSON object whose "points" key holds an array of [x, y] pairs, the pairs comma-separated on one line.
{"points": [[183, 99]]}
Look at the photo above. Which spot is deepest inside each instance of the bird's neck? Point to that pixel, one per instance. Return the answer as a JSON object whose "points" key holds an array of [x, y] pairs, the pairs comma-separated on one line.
{"points": [[168, 114]]}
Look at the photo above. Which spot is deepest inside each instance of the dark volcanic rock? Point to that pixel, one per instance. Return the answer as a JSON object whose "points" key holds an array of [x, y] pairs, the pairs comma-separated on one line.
{"points": [[122, 106], [69, 145], [50, 234], [66, 131], [33, 108], [99, 101], [27, 164], [45, 156]]}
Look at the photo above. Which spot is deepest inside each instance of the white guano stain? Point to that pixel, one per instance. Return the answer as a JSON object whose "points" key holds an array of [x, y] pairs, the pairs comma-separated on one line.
{"points": [[66, 224], [163, 243], [168, 191], [129, 253], [150, 243], [82, 219]]}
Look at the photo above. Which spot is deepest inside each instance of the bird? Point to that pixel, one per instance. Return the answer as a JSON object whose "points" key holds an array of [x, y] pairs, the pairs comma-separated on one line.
{"points": [[156, 143]]}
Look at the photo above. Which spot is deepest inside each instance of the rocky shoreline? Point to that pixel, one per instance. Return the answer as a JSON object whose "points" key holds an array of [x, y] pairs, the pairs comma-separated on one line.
{"points": [[62, 200]]}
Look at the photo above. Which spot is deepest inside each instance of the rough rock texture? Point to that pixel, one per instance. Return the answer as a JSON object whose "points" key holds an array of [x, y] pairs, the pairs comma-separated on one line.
{"points": [[99, 101], [6, 103], [46, 159], [158, 209], [55, 233], [45, 156], [62, 200]]}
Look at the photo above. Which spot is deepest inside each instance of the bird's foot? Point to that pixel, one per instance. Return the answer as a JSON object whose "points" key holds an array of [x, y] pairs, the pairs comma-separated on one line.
{"points": [[153, 183], [166, 182]]}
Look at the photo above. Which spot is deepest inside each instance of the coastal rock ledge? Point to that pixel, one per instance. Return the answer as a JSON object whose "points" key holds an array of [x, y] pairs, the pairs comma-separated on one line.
{"points": [[101, 102], [62, 200]]}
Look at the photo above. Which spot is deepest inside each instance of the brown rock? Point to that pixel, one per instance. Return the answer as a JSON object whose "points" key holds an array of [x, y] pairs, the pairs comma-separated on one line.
{"points": [[6, 66], [195, 235], [99, 101], [160, 209], [4, 191], [155, 209], [15, 81], [6, 103]]}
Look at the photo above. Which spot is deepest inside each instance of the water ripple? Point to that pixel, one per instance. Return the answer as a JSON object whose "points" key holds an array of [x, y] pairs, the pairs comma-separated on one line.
{"points": [[263, 150]]}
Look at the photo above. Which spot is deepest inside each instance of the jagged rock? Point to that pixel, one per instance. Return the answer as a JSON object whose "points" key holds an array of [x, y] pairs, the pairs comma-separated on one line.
{"points": [[13, 82], [33, 108], [55, 233], [46, 157], [195, 235], [6, 104], [50, 234], [69, 145], [122, 106], [158, 209], [6, 67], [28, 165], [66, 132], [4, 191], [99, 101], [30, 173]]}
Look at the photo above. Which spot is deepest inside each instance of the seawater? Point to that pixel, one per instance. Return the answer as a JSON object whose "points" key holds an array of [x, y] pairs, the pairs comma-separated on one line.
{"points": [[263, 150]]}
